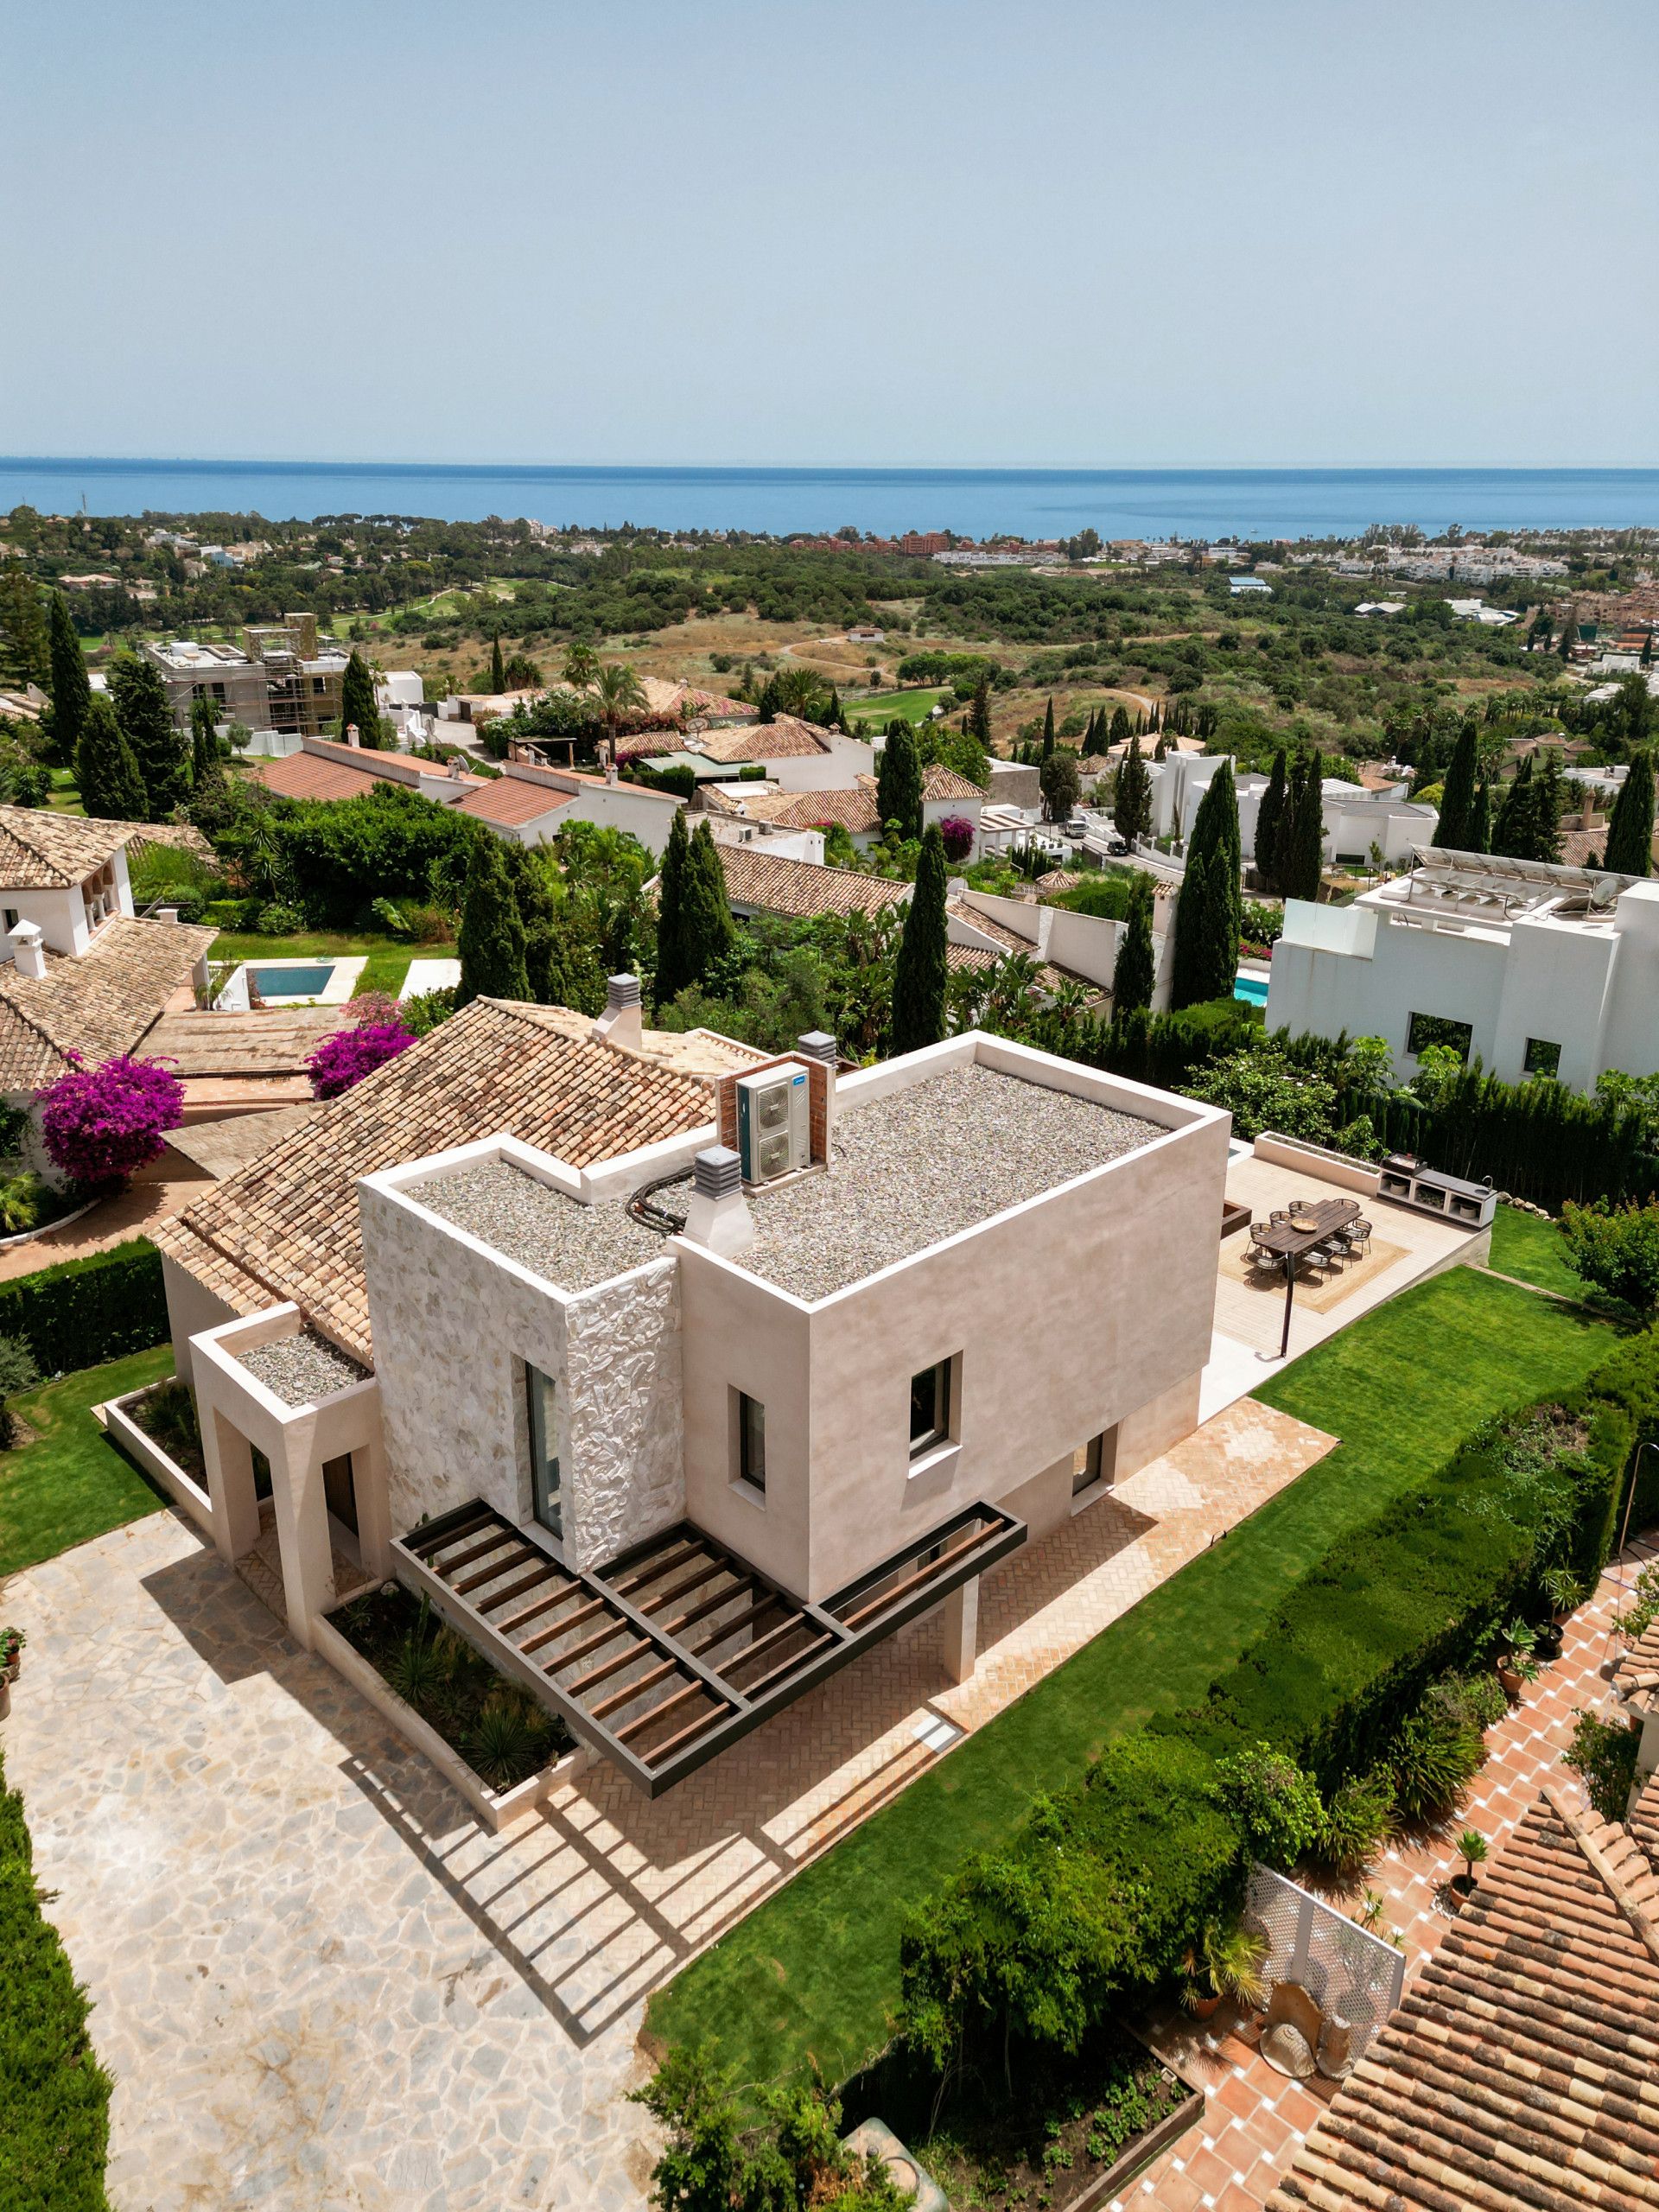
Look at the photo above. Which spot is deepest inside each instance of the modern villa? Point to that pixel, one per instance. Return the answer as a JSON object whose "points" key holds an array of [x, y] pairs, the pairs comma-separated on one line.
{"points": [[673, 1388]]}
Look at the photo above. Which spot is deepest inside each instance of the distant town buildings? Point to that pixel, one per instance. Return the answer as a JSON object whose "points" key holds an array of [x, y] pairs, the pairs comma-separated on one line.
{"points": [[283, 677]]}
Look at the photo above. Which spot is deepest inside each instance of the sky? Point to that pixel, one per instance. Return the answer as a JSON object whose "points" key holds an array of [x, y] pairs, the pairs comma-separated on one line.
{"points": [[918, 232]]}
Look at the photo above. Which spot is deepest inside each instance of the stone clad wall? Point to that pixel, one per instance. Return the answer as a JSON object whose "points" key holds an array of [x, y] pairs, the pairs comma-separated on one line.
{"points": [[624, 1468]]}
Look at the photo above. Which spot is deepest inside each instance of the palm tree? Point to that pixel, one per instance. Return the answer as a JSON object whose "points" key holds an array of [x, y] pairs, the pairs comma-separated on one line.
{"points": [[580, 665], [617, 689]]}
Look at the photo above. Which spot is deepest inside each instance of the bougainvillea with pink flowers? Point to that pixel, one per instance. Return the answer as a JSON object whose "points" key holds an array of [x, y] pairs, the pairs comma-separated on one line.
{"points": [[100, 1124], [956, 833], [345, 1059]]}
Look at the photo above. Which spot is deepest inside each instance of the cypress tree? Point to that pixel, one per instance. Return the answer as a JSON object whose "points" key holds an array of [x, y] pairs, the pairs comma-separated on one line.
{"points": [[674, 970], [1480, 820], [538, 911], [1646, 657], [498, 667], [1452, 831], [1630, 831], [1120, 731], [111, 786], [1305, 845], [204, 741], [358, 704], [27, 646], [920, 972], [160, 750], [1215, 839], [1048, 728], [898, 781], [833, 717], [979, 714], [71, 691], [1269, 816], [709, 927], [491, 938], [1513, 831], [1194, 978], [1133, 971], [1132, 801], [1569, 636], [1548, 800]]}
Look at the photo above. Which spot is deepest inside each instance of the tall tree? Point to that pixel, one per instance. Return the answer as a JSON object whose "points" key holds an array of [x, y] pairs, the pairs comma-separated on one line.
{"points": [[1303, 866], [1048, 726], [204, 740], [1061, 785], [1215, 838], [1131, 800], [1133, 971], [71, 691], [580, 664], [106, 773], [1119, 729], [1569, 636], [358, 704], [709, 926], [1452, 831], [27, 655], [1203, 932], [1548, 804], [674, 965], [1630, 831], [498, 666], [1480, 820], [533, 895], [921, 972], [979, 713], [898, 781], [1515, 833], [619, 691], [160, 749], [1269, 813], [491, 938]]}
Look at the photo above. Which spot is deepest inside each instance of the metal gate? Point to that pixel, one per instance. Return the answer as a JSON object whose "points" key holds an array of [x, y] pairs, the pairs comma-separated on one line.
{"points": [[1348, 1972]]}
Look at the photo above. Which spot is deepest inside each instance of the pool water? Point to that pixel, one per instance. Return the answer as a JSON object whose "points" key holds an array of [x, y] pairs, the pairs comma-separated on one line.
{"points": [[298, 982], [1253, 989]]}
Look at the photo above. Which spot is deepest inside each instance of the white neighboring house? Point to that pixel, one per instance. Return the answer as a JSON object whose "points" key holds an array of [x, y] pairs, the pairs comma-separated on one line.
{"points": [[1539, 970], [1355, 819]]}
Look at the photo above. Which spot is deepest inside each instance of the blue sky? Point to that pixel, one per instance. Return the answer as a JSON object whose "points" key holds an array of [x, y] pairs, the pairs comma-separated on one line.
{"points": [[927, 231]]}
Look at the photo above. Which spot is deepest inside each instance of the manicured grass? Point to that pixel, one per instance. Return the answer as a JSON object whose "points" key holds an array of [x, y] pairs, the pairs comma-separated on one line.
{"points": [[883, 707], [70, 1483], [388, 957], [815, 1970], [1535, 1251]]}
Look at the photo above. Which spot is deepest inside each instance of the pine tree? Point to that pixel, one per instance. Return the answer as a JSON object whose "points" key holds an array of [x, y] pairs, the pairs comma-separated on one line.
{"points": [[112, 789], [898, 781], [204, 741], [1133, 971], [1630, 831], [498, 666], [491, 938], [1269, 815], [1048, 728], [1132, 801], [71, 691], [358, 704], [1480, 820], [160, 750], [979, 714], [1452, 831], [673, 958], [920, 973], [708, 926]]}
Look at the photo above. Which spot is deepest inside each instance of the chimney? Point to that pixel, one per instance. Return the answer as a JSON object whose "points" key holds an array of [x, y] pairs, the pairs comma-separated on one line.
{"points": [[818, 1045], [29, 950], [351, 737], [621, 1023], [719, 1214]]}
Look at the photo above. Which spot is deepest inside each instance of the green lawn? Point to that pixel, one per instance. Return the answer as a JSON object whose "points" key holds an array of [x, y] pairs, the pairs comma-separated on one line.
{"points": [[1533, 1251], [884, 707], [388, 957], [70, 1483], [814, 1970]]}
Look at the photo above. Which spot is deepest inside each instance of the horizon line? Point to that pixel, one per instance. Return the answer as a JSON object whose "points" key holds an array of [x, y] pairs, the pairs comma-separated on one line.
{"points": [[832, 469]]}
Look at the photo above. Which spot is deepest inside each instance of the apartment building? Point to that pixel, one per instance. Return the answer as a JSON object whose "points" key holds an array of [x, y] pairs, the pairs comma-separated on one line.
{"points": [[283, 677], [674, 1387]]}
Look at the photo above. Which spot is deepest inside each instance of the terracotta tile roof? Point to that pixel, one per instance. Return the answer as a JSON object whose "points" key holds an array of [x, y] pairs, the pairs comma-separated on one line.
{"points": [[286, 1226], [99, 1005], [939, 782], [786, 738], [512, 800], [980, 957], [40, 850], [776, 885], [665, 696], [704, 1053], [1520, 2069], [305, 775], [855, 810], [220, 1147]]}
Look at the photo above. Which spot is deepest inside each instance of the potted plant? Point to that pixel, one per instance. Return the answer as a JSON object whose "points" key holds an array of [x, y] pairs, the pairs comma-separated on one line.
{"points": [[1565, 1593], [1224, 1961], [1517, 1664], [1472, 1849], [12, 1641]]}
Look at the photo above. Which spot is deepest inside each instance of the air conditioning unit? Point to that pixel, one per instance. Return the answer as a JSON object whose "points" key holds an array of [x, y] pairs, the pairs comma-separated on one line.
{"points": [[774, 1124]]}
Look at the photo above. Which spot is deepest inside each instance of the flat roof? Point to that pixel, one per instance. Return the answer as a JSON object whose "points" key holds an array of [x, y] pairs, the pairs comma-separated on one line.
{"points": [[567, 1243], [922, 1164]]}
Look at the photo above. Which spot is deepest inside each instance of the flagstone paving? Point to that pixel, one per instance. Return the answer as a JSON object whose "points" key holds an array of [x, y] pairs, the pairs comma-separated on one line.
{"points": [[320, 1984]]}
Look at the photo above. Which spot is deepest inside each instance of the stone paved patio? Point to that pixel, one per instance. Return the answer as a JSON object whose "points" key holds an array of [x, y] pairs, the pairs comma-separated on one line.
{"points": [[319, 1983]]}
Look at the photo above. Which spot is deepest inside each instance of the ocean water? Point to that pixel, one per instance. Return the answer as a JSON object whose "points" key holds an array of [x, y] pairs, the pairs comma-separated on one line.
{"points": [[978, 502]]}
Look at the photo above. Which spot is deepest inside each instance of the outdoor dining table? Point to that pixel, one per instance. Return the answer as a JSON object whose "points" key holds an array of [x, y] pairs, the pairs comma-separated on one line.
{"points": [[1306, 1226]]}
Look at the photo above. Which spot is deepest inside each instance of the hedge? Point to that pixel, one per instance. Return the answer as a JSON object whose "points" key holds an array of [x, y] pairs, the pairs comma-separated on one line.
{"points": [[82, 1312], [1539, 1141], [55, 2096], [1095, 1901]]}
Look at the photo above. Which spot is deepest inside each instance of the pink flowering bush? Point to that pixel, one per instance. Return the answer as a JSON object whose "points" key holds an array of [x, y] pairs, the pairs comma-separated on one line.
{"points": [[346, 1058], [100, 1124], [956, 833]]}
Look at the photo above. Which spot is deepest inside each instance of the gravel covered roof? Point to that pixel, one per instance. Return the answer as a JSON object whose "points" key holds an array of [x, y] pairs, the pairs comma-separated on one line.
{"points": [[922, 1164], [558, 1238], [302, 1369]]}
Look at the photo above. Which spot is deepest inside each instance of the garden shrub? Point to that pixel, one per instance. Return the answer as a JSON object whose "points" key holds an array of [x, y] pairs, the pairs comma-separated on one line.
{"points": [[1432, 1760], [85, 1311], [1603, 1755], [55, 2096], [1617, 1249], [1277, 1803], [276, 919], [100, 1124], [1358, 1821], [342, 1060]]}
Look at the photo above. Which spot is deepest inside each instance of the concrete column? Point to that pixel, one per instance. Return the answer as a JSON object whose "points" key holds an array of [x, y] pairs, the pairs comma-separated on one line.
{"points": [[303, 1535], [960, 1616], [229, 1463], [374, 1510]]}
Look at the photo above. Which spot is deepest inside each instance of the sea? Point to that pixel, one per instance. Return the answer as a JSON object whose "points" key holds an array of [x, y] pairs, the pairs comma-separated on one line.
{"points": [[1158, 503]]}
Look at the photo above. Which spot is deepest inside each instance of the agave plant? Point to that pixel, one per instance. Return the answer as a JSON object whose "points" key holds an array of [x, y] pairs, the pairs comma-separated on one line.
{"points": [[505, 1744], [417, 1673]]}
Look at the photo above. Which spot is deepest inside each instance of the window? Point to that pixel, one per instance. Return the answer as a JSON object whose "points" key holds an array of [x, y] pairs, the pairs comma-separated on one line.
{"points": [[339, 1488], [261, 1473], [929, 1407], [1093, 1462], [543, 1396], [751, 1442], [1435, 1029], [1541, 1057]]}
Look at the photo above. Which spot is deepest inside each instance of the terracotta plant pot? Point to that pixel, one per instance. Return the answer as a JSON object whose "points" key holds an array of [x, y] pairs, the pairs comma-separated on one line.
{"points": [[5, 1695], [1509, 1678], [1205, 2008], [1548, 1645], [1464, 1884]]}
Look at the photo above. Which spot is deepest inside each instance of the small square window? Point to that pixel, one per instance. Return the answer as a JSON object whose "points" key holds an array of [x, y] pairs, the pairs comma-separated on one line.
{"points": [[1438, 1029], [1542, 1057], [751, 1442], [929, 1407]]}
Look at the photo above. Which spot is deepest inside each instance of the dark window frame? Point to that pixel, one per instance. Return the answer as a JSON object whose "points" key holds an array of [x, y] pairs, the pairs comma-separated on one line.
{"points": [[1536, 1047], [931, 1425], [1423, 1029], [546, 1474], [750, 1416]]}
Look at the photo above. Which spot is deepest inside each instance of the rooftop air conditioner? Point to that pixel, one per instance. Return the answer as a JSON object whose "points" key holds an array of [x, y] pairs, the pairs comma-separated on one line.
{"points": [[774, 1129]]}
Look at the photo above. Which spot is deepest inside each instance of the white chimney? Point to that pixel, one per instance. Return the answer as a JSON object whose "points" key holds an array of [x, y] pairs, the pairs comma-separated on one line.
{"points": [[719, 1214], [818, 1045], [351, 737], [28, 949], [621, 1022]]}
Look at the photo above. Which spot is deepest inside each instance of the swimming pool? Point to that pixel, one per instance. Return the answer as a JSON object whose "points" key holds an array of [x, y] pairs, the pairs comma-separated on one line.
{"points": [[306, 980], [1252, 989]]}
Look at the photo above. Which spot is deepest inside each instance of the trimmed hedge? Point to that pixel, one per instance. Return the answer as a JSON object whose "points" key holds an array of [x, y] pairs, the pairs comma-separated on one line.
{"points": [[55, 2096], [84, 1311], [1539, 1141], [1093, 1902]]}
